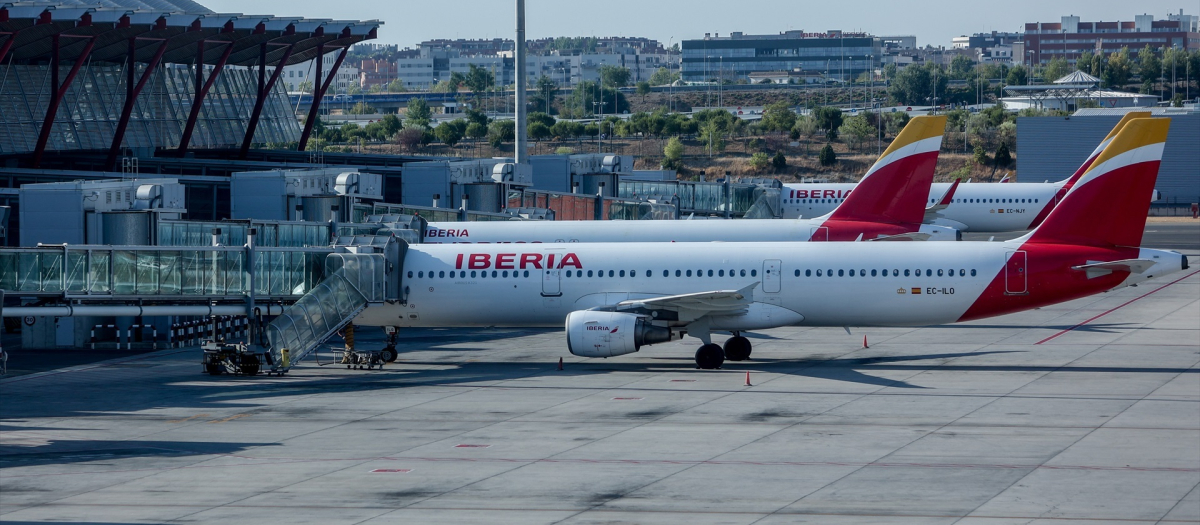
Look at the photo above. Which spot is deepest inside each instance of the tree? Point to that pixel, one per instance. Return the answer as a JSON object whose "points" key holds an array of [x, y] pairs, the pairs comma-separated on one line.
{"points": [[501, 131], [759, 161], [1118, 69], [1056, 68], [779, 161], [643, 89], [614, 76], [980, 155], [1017, 76], [305, 87], [476, 130], [538, 116], [1003, 157], [546, 89], [450, 132], [390, 124], [537, 130], [478, 79], [579, 104], [673, 154], [566, 129], [778, 117], [396, 86], [827, 157], [917, 84], [663, 76], [827, 118], [361, 108], [960, 67], [444, 86], [418, 113], [857, 129], [1149, 68], [409, 138]]}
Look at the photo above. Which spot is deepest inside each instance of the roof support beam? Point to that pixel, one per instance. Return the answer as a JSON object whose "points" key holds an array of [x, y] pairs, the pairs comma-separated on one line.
{"points": [[57, 92], [264, 91], [202, 91], [131, 94], [320, 92], [4, 48]]}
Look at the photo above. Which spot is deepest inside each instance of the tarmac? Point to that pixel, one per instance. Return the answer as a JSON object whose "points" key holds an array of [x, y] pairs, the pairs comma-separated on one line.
{"points": [[1088, 411]]}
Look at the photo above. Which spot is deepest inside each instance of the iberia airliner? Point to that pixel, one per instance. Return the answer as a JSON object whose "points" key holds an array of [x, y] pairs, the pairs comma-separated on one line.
{"points": [[889, 205], [975, 207], [617, 298]]}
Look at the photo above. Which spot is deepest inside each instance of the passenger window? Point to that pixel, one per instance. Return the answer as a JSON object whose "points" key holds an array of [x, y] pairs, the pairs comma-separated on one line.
{"points": [[622, 273], [721, 273], [873, 273], [494, 274], [928, 273], [419, 274], [505, 274], [612, 273], [568, 273], [666, 273], [710, 273], [896, 273], [753, 273], [797, 273], [472, 275], [841, 273], [689, 273], [678, 273], [852, 272], [961, 272], [410, 275], [743, 273], [441, 275], [972, 273], [862, 273], [526, 273], [939, 272], [906, 273], [818, 273], [829, 272], [1035, 201], [808, 273], [589, 273]]}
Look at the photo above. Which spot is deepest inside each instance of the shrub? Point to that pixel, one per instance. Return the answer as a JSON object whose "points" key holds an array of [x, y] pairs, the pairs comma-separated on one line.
{"points": [[827, 156], [779, 161], [759, 161]]}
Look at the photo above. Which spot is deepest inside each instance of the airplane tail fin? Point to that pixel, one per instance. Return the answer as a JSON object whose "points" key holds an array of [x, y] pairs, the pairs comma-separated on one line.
{"points": [[895, 188], [1107, 206], [1100, 147]]}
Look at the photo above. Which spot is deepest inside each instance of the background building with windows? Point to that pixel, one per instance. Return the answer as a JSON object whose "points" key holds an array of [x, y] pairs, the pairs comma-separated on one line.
{"points": [[1071, 37], [836, 54]]}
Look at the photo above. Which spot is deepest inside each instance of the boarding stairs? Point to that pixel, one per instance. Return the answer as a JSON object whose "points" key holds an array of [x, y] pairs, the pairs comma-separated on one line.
{"points": [[367, 273]]}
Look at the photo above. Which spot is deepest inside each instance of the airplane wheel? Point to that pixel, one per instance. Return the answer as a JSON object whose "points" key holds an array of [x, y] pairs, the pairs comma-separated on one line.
{"points": [[737, 348], [214, 369], [389, 354], [710, 357]]}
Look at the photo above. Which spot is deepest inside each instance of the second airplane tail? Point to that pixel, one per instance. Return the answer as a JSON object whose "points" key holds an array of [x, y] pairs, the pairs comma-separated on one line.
{"points": [[895, 188]]}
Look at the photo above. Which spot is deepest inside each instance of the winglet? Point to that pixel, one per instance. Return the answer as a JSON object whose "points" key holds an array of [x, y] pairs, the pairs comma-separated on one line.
{"points": [[1005, 179], [932, 211], [1108, 205], [895, 188]]}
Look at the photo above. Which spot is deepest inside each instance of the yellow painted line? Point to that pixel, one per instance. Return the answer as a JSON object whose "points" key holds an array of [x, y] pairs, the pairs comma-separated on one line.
{"points": [[230, 418], [197, 416]]}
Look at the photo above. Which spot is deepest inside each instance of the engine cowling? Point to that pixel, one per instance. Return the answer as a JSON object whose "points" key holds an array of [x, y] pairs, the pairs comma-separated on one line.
{"points": [[592, 333], [941, 233]]}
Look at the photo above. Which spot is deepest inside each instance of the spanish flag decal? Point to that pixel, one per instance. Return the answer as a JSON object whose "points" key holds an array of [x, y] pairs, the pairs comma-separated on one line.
{"points": [[916, 291]]}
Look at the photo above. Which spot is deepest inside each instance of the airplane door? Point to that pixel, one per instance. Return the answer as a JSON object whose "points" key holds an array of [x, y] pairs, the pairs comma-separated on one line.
{"points": [[771, 277], [820, 233], [1016, 276], [551, 282]]}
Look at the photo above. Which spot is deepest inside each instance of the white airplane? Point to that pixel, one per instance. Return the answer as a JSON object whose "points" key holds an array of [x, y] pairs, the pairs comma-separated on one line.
{"points": [[1014, 206], [889, 205], [616, 298]]}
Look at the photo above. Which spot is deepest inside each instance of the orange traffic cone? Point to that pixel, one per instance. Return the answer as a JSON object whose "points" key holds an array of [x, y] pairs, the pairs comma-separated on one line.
{"points": [[865, 342], [560, 363], [748, 378]]}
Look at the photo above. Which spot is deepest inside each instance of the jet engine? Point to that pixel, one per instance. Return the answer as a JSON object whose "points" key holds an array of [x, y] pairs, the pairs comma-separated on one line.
{"points": [[607, 334]]}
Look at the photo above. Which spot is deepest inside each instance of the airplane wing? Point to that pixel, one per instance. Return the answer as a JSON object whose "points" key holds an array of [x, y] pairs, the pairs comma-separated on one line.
{"points": [[911, 236], [1099, 269], [932, 212], [695, 305]]}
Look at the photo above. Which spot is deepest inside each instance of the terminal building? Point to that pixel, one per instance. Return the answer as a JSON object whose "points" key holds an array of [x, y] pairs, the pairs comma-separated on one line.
{"points": [[835, 54]]}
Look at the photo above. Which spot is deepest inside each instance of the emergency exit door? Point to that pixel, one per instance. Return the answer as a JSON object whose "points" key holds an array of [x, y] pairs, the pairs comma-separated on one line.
{"points": [[1016, 274], [771, 278]]}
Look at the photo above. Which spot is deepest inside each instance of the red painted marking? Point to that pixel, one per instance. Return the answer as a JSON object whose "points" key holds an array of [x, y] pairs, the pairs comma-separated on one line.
{"points": [[472, 446], [683, 380], [391, 470], [627, 399], [1123, 305]]}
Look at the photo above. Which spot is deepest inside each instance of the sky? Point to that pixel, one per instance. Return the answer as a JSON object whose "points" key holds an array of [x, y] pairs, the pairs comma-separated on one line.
{"points": [[934, 22]]}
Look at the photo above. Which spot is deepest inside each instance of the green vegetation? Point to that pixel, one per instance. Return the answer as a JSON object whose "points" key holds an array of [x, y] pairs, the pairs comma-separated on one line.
{"points": [[418, 114], [614, 76], [827, 157], [673, 154]]}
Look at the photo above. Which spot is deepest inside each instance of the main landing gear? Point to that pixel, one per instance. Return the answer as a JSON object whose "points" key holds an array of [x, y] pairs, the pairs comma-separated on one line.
{"points": [[711, 356], [389, 353]]}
